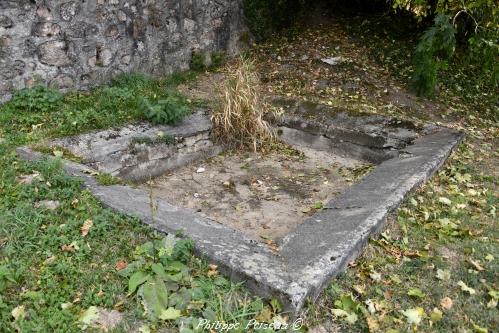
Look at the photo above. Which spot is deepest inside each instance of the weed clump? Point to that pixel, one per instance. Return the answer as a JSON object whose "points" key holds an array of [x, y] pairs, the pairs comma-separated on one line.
{"points": [[167, 111], [106, 179], [37, 99], [238, 119], [199, 62]]}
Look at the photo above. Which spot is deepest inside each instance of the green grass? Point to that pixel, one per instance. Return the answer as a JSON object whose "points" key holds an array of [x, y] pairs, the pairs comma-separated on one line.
{"points": [[107, 179], [103, 107]]}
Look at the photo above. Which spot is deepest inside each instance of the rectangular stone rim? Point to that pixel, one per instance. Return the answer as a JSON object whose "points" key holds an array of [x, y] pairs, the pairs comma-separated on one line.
{"points": [[284, 274]]}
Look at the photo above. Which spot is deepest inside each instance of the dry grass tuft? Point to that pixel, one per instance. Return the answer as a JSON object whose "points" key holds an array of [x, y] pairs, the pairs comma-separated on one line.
{"points": [[238, 120]]}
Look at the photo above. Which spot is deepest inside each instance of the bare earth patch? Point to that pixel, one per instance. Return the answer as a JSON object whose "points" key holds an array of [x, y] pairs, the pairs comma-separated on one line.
{"points": [[263, 196]]}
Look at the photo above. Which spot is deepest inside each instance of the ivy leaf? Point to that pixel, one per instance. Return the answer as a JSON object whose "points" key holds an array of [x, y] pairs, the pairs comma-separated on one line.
{"points": [[169, 314], [347, 303]]}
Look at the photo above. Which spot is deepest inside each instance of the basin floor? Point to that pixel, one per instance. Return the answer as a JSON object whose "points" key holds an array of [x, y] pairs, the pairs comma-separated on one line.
{"points": [[265, 196]]}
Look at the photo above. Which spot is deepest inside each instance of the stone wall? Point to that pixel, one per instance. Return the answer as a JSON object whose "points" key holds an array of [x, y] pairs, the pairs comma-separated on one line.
{"points": [[77, 44]]}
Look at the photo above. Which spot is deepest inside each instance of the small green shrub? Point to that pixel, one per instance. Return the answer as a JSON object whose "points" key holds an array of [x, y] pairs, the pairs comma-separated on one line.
{"points": [[197, 62], [160, 276], [106, 179], [164, 111], [484, 50], [217, 59], [119, 93], [37, 99], [179, 78], [435, 47]]}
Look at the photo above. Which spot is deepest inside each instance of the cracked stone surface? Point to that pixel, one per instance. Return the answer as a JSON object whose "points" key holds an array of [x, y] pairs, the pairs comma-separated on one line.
{"points": [[114, 151], [374, 138]]}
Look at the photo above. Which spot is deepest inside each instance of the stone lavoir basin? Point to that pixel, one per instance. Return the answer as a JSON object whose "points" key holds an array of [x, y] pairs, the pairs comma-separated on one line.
{"points": [[284, 222]]}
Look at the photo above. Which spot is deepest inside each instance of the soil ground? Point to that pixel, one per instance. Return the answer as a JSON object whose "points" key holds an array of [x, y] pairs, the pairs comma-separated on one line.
{"points": [[264, 196]]}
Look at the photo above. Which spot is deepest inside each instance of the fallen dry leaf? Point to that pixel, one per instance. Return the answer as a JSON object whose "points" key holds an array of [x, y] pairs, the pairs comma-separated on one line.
{"points": [[70, 248], [466, 288], [373, 324], [121, 265], [476, 264], [213, 270], [414, 315], [49, 260], [273, 245], [86, 227], [446, 303], [108, 319]]}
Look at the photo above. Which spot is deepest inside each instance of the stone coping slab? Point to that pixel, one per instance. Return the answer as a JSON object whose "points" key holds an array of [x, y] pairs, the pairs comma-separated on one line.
{"points": [[317, 250], [118, 151]]}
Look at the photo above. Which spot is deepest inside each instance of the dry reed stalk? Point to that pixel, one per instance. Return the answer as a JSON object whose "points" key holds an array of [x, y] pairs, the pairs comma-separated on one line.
{"points": [[238, 120]]}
